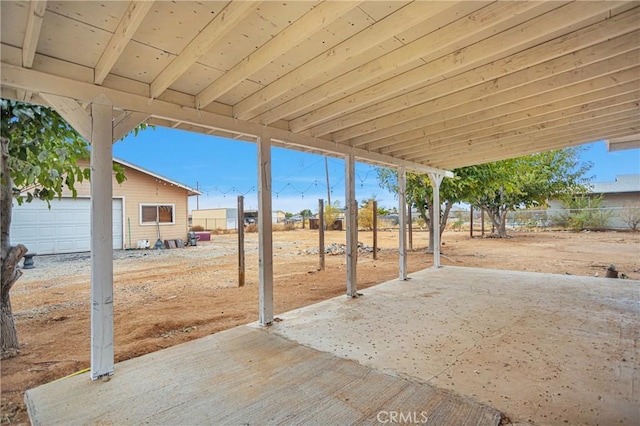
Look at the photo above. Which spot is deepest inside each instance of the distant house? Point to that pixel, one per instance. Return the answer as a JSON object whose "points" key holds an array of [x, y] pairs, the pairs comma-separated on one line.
{"points": [[623, 191], [226, 218], [144, 205], [279, 216], [210, 219]]}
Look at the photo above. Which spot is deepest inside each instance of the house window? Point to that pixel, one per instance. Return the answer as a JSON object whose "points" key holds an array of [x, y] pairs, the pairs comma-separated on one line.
{"points": [[150, 214]]}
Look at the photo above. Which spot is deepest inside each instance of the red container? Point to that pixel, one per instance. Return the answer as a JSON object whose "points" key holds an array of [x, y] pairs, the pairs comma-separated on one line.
{"points": [[203, 236]]}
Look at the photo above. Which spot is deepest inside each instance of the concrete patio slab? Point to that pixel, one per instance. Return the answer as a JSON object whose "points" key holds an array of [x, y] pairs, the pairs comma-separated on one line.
{"points": [[543, 348], [249, 377]]}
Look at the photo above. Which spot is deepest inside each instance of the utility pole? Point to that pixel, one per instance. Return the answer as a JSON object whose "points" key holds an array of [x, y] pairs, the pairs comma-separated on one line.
{"points": [[326, 170], [197, 196]]}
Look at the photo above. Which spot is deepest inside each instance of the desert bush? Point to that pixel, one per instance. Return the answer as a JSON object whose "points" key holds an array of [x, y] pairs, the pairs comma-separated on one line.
{"points": [[365, 216], [222, 231], [197, 228], [583, 212], [331, 213], [251, 228], [630, 214], [288, 226]]}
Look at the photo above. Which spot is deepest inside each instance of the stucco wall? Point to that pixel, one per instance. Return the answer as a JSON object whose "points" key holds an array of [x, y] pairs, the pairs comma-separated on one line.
{"points": [[140, 188]]}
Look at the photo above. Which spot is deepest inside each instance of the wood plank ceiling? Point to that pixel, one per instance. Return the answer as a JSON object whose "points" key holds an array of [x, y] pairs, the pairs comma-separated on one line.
{"points": [[422, 84]]}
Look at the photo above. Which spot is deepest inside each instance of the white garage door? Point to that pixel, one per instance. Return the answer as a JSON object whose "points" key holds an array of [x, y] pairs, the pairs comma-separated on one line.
{"points": [[65, 228]]}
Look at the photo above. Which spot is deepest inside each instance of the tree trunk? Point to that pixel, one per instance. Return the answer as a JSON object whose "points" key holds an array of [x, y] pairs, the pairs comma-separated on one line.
{"points": [[10, 344], [502, 228], [498, 222], [445, 217], [430, 222], [9, 259]]}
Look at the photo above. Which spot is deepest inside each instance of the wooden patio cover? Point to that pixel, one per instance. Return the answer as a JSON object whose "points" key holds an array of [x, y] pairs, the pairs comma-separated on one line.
{"points": [[423, 86], [440, 84]]}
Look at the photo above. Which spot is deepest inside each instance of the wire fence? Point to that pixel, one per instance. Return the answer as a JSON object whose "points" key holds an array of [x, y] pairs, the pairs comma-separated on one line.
{"points": [[611, 218]]}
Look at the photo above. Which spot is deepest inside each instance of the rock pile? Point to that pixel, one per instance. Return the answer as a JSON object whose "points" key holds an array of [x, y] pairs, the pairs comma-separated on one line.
{"points": [[335, 249]]}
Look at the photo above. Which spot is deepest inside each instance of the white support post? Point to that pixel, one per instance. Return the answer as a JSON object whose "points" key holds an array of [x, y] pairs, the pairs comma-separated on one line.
{"points": [[265, 238], [402, 221], [352, 226], [436, 180], [102, 359]]}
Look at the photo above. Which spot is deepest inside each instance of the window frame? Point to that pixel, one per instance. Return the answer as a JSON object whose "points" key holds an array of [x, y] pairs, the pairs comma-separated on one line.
{"points": [[157, 206]]}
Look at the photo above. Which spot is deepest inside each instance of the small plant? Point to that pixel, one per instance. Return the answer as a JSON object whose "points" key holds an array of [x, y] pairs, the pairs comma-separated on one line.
{"points": [[630, 214], [365, 216], [331, 213], [288, 226], [583, 212], [197, 228]]}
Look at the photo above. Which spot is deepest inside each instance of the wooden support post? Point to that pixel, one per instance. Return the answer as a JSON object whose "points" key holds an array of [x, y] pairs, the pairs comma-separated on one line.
{"points": [[101, 161], [241, 268], [402, 222], [321, 234], [436, 180], [352, 226], [471, 221], [375, 230], [482, 221], [410, 225], [265, 225]]}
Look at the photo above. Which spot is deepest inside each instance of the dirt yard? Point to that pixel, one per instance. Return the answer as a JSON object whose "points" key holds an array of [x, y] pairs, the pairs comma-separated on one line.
{"points": [[167, 297]]}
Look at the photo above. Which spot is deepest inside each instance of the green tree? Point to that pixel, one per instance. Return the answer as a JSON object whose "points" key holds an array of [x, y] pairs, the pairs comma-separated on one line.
{"points": [[40, 154], [524, 182], [383, 211], [419, 194], [497, 188], [306, 213]]}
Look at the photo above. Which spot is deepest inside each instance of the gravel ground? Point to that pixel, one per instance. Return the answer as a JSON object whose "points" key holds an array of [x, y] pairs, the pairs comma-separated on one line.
{"points": [[65, 265]]}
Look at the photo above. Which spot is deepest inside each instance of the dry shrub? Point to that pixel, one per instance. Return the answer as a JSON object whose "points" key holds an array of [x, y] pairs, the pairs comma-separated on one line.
{"points": [[197, 228], [222, 231], [251, 228], [284, 227]]}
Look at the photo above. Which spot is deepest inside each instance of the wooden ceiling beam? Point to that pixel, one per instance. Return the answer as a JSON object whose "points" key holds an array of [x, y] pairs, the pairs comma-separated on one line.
{"points": [[481, 22], [597, 33], [126, 124], [546, 145], [220, 26], [622, 143], [490, 96], [313, 21], [536, 115], [35, 17], [470, 159], [37, 81], [625, 110], [544, 138], [72, 112], [580, 94], [438, 117], [133, 17], [372, 36]]}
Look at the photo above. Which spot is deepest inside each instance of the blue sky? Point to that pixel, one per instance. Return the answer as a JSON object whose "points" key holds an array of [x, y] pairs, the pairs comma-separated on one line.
{"points": [[224, 168]]}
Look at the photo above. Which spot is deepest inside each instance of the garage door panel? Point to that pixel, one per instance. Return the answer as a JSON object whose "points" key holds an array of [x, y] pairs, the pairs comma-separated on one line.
{"points": [[65, 228]]}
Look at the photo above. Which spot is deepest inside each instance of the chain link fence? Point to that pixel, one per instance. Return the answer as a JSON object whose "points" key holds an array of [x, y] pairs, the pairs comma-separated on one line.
{"points": [[611, 218]]}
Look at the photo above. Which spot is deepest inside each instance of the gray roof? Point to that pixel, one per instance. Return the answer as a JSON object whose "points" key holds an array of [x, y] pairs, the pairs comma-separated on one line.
{"points": [[190, 190], [622, 183]]}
